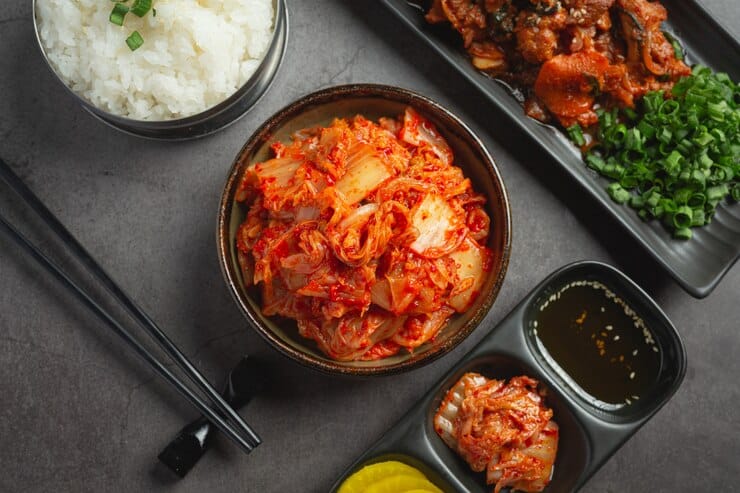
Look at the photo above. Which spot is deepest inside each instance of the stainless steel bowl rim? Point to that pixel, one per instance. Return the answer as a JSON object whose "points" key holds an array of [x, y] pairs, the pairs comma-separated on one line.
{"points": [[113, 120]]}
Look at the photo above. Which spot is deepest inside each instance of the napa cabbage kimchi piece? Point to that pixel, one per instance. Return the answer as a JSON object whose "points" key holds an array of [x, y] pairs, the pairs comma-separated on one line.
{"points": [[504, 429], [366, 234]]}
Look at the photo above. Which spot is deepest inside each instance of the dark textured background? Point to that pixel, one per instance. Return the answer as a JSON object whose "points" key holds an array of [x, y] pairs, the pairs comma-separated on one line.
{"points": [[80, 414]]}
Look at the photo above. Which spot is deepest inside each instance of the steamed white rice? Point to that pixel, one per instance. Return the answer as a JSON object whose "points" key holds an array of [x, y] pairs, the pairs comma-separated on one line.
{"points": [[196, 53]]}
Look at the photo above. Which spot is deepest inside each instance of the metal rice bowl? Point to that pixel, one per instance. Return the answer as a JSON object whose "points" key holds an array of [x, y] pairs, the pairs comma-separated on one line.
{"points": [[212, 119]]}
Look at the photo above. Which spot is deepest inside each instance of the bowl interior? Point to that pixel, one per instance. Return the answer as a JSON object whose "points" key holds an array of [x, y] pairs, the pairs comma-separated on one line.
{"points": [[372, 102]]}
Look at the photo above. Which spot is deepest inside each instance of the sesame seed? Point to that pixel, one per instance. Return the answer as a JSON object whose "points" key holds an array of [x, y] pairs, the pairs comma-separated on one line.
{"points": [[616, 338], [609, 327], [632, 376]]}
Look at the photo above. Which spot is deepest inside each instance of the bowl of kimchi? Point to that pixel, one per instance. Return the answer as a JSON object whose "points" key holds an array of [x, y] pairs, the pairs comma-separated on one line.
{"points": [[364, 230]]}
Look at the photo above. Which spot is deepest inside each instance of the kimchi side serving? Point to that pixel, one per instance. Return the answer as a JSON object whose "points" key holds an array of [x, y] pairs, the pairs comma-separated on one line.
{"points": [[504, 429], [366, 234]]}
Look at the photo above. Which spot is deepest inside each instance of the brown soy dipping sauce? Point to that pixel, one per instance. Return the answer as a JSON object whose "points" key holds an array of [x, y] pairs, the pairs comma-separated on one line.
{"points": [[599, 342]]}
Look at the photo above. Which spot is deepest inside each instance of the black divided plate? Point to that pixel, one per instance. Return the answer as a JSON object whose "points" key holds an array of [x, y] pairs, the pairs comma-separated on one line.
{"points": [[698, 264], [588, 435]]}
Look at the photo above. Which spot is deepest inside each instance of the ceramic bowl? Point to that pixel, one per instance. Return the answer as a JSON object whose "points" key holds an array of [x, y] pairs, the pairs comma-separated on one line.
{"points": [[371, 101]]}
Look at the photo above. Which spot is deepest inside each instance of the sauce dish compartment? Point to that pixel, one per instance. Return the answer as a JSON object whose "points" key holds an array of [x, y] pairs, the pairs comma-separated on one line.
{"points": [[670, 350]]}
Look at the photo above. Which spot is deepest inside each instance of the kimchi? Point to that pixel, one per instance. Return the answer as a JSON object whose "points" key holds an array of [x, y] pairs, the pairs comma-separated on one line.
{"points": [[501, 428], [365, 233]]}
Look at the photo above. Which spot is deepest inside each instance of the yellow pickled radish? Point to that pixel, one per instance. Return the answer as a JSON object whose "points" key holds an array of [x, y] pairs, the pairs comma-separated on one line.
{"points": [[402, 484], [368, 475]]}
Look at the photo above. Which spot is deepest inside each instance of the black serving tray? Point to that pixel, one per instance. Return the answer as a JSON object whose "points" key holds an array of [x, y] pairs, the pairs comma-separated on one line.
{"points": [[588, 435], [699, 264]]}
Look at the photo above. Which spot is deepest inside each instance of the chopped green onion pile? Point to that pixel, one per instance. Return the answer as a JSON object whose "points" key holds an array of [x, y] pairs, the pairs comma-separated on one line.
{"points": [[139, 8], [677, 157]]}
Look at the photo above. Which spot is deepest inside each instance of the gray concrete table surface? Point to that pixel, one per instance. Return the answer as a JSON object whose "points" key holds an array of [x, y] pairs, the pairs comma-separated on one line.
{"points": [[80, 413]]}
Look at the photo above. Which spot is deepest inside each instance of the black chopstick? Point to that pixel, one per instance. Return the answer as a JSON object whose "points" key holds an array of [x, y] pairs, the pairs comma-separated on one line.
{"points": [[142, 351], [242, 434], [246, 380], [15, 183]]}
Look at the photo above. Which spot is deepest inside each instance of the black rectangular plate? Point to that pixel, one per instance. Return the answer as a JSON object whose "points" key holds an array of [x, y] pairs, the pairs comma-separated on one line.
{"points": [[699, 264], [588, 436]]}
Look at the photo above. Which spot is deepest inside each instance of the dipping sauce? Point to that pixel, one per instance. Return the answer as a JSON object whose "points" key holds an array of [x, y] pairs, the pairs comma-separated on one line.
{"points": [[602, 347]]}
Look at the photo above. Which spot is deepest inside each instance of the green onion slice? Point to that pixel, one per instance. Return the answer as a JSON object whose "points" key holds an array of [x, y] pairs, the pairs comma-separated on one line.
{"points": [[134, 41], [617, 193], [682, 217], [576, 135], [118, 14], [683, 234], [677, 48], [736, 192], [141, 7]]}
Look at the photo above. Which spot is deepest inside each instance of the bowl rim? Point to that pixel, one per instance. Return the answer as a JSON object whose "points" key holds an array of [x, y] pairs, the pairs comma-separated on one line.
{"points": [[113, 120], [263, 135]]}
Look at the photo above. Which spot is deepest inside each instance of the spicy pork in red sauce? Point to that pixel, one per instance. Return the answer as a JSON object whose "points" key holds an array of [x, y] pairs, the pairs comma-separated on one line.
{"points": [[568, 55]]}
